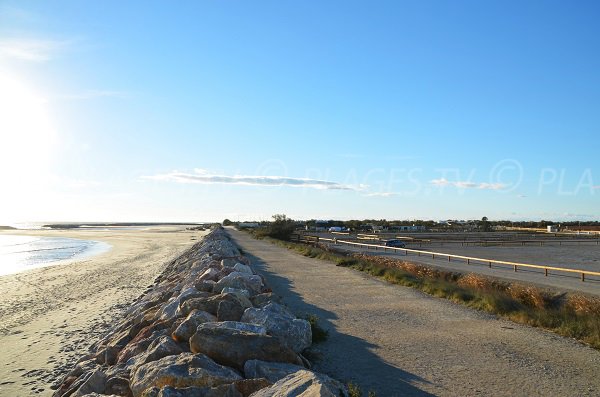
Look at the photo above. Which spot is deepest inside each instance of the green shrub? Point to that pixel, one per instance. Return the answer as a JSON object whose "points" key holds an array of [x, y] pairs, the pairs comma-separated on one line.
{"points": [[318, 334]]}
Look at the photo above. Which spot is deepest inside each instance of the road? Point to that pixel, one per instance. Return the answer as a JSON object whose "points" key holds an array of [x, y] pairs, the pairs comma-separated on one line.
{"points": [[560, 281], [398, 341]]}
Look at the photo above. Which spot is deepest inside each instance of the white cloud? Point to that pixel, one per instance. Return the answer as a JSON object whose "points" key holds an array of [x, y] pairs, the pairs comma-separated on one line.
{"points": [[382, 194], [32, 50], [467, 184], [204, 177]]}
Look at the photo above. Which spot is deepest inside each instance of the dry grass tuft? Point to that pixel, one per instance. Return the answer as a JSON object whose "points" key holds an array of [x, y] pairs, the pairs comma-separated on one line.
{"points": [[476, 281], [584, 304], [529, 296]]}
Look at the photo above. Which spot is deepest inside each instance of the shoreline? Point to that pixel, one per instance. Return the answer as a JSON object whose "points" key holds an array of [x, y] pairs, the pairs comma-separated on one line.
{"points": [[96, 247], [49, 316]]}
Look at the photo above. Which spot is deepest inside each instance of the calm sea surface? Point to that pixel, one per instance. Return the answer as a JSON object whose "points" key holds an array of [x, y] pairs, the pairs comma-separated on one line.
{"points": [[19, 253]]}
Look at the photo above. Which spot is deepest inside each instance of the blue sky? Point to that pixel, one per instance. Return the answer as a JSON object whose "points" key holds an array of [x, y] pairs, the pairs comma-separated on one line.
{"points": [[197, 111]]}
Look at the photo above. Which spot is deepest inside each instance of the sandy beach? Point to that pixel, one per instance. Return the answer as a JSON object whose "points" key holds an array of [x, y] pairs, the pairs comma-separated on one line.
{"points": [[49, 316]]}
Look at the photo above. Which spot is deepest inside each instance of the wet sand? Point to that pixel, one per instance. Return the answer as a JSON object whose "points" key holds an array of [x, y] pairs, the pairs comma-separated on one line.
{"points": [[50, 316]]}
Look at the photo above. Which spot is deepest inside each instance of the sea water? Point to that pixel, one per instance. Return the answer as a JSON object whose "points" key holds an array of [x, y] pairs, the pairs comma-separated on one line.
{"points": [[20, 253]]}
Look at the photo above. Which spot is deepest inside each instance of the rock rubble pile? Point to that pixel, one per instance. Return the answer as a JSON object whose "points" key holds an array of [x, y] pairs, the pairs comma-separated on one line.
{"points": [[208, 327]]}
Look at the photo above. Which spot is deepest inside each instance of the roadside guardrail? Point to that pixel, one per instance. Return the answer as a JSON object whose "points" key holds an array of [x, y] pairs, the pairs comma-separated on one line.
{"points": [[467, 259]]}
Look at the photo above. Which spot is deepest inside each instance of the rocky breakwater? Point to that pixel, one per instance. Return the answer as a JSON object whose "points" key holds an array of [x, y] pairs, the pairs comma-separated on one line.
{"points": [[208, 327]]}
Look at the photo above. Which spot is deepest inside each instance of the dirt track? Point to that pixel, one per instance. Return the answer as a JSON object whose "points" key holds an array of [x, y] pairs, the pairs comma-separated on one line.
{"points": [[400, 342]]}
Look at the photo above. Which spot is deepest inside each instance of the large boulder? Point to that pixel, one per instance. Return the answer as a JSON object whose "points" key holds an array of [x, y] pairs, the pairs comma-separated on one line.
{"points": [[304, 383], [233, 347], [273, 372], [95, 383], [230, 311], [183, 370], [250, 282], [218, 391], [209, 274], [159, 348], [279, 322], [137, 346], [238, 292], [169, 311], [211, 304], [235, 325], [187, 328], [240, 267], [262, 300]]}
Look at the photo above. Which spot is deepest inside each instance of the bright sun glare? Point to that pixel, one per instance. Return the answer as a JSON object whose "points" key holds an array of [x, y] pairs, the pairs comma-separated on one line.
{"points": [[26, 131], [26, 148]]}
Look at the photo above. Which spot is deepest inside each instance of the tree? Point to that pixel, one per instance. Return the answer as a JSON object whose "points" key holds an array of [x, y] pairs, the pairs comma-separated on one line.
{"points": [[281, 228], [227, 222], [485, 224]]}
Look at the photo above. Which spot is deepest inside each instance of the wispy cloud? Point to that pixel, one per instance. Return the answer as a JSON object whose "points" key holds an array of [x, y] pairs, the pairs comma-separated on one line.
{"points": [[204, 177], [467, 184], [521, 196], [596, 187], [382, 194], [32, 50], [93, 94]]}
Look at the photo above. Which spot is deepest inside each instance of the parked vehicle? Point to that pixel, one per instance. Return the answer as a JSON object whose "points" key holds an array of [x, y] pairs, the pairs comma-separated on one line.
{"points": [[395, 243]]}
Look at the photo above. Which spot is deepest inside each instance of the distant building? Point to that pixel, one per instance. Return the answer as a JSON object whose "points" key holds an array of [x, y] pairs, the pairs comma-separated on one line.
{"points": [[552, 228], [408, 228]]}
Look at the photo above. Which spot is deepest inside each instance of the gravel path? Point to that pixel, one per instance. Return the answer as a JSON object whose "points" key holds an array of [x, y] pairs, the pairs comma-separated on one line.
{"points": [[398, 341]]}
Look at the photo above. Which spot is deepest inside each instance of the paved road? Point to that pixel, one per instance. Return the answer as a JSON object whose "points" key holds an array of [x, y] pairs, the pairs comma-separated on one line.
{"points": [[561, 281], [400, 342]]}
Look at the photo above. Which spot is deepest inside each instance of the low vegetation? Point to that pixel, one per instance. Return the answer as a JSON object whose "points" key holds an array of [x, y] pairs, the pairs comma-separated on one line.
{"points": [[318, 333], [355, 391], [281, 228], [574, 316]]}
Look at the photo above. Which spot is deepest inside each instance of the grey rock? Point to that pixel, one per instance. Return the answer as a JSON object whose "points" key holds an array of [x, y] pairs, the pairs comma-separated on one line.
{"points": [[271, 371], [233, 347], [169, 311], [169, 391], [118, 385], [211, 304], [262, 300], [304, 383], [205, 286], [279, 322], [230, 311], [240, 267], [95, 383], [252, 283], [183, 370], [187, 328], [209, 274], [159, 348], [236, 291], [228, 262], [235, 325]]}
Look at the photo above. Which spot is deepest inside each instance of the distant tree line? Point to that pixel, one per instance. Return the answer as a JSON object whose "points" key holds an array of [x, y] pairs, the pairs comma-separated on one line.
{"points": [[282, 227]]}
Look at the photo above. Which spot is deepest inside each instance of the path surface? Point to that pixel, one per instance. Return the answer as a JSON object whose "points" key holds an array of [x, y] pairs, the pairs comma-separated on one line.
{"points": [[400, 342]]}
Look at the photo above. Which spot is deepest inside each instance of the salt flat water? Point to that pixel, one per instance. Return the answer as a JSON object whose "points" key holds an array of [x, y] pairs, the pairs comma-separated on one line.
{"points": [[20, 253]]}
